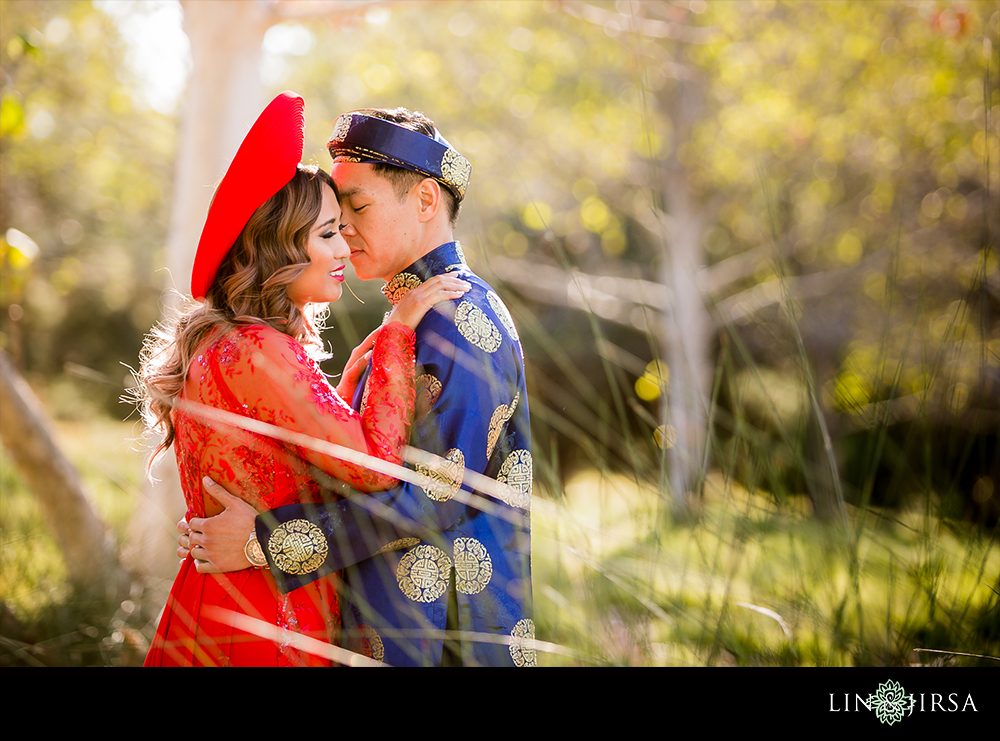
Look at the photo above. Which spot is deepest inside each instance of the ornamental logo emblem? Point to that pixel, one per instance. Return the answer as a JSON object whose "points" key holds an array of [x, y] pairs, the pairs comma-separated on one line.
{"points": [[342, 128], [446, 475], [455, 170], [423, 573], [477, 328], [473, 566], [890, 702], [515, 474], [522, 643], [502, 314], [297, 547]]}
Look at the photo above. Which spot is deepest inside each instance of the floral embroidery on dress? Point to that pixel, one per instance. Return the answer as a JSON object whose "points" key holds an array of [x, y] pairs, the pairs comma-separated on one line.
{"points": [[227, 351]]}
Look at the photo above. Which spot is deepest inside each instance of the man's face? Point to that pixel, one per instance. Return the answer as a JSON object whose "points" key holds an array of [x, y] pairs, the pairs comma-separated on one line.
{"points": [[379, 229]]}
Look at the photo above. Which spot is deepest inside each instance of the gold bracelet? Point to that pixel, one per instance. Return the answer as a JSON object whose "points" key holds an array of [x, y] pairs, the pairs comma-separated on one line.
{"points": [[254, 553]]}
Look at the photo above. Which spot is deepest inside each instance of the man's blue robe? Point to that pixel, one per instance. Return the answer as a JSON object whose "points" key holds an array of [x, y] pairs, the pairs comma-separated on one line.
{"points": [[409, 555]]}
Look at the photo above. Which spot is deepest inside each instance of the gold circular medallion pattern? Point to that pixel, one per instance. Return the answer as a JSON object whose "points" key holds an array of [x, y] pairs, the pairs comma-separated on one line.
{"points": [[447, 475], [477, 328], [455, 169], [398, 545], [473, 566], [502, 314], [428, 391], [516, 473], [365, 641], [496, 425], [423, 573], [399, 286], [522, 643], [297, 547], [501, 415]]}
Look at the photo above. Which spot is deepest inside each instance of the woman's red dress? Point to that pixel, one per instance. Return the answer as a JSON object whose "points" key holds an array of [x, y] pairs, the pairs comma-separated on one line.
{"points": [[258, 372]]}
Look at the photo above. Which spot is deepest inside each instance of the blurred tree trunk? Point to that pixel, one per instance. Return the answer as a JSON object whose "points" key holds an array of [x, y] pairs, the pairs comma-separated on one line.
{"points": [[686, 329], [685, 333], [76, 527], [223, 98]]}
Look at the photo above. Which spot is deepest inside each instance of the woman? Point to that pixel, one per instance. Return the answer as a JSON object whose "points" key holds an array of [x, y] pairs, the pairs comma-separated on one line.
{"points": [[269, 259]]}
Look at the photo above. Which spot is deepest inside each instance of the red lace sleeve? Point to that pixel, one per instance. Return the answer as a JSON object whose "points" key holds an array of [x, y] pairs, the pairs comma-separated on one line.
{"points": [[275, 381]]}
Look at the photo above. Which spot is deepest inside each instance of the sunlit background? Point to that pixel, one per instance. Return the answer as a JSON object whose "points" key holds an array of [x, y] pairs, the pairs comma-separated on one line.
{"points": [[750, 248]]}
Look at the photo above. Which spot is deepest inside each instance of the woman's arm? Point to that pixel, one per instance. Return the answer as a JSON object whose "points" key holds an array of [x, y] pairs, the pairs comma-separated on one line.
{"points": [[273, 380], [276, 382]]}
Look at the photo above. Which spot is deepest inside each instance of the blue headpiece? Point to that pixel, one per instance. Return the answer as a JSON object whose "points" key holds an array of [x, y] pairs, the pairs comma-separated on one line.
{"points": [[360, 137]]}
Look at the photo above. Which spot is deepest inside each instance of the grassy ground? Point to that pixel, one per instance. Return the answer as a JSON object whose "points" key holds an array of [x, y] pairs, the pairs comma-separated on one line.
{"points": [[746, 582], [743, 581], [64, 627]]}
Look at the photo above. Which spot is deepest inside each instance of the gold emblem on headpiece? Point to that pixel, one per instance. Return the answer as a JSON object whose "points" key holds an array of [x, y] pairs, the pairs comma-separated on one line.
{"points": [[447, 474], [399, 286], [397, 545], [515, 474], [365, 641], [423, 573], [297, 547], [477, 328], [342, 128], [522, 643], [455, 170], [502, 314], [428, 391], [473, 566]]}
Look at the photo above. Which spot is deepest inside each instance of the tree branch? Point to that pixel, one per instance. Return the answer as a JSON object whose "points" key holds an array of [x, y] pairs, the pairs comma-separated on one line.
{"points": [[649, 27], [296, 10]]}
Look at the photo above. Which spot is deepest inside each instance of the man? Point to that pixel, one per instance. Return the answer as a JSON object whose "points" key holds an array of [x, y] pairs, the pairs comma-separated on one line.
{"points": [[439, 573]]}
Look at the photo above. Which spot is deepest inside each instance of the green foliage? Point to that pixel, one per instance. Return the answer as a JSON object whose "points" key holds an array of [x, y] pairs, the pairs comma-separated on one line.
{"points": [[839, 151]]}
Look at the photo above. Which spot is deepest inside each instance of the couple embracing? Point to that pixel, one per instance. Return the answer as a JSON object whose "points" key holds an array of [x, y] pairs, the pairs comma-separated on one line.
{"points": [[296, 516]]}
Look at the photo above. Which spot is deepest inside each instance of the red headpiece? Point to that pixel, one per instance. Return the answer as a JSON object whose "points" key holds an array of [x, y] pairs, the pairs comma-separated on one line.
{"points": [[265, 163]]}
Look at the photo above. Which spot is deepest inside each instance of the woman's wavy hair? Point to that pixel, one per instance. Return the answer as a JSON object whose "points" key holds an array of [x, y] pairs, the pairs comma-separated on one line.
{"points": [[250, 287]]}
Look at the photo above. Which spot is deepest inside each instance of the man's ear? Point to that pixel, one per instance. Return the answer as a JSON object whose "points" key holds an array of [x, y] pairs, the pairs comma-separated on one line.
{"points": [[428, 199]]}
